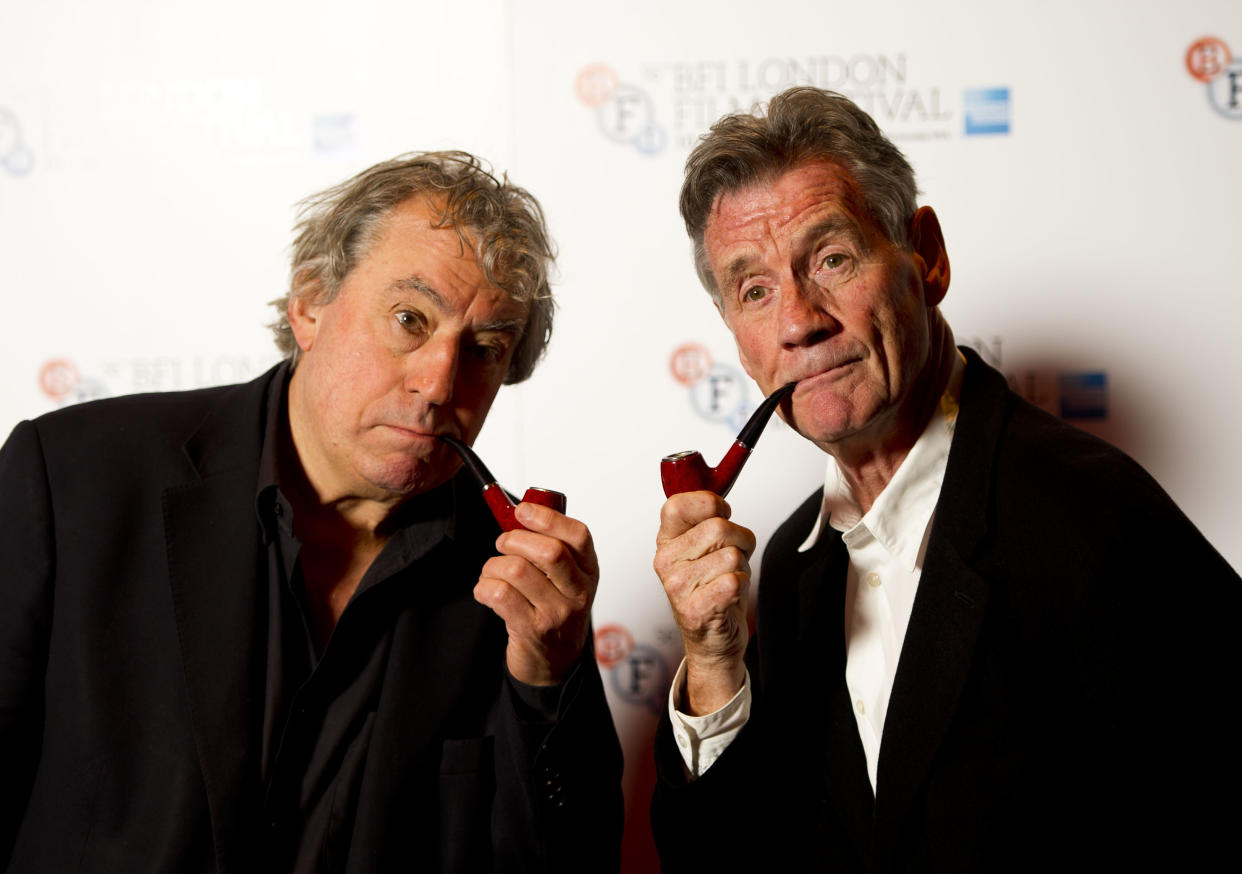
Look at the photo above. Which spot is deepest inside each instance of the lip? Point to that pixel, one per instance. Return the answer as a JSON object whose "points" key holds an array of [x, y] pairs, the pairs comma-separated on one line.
{"points": [[810, 381], [411, 433]]}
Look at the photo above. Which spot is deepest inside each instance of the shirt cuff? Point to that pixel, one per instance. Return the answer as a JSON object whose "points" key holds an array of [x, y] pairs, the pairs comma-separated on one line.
{"points": [[702, 739]]}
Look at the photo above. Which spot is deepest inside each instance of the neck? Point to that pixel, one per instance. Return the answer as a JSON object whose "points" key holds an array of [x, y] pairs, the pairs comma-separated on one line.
{"points": [[869, 464]]}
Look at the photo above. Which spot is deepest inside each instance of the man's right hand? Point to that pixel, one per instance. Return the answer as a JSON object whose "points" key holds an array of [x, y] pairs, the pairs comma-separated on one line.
{"points": [[703, 560]]}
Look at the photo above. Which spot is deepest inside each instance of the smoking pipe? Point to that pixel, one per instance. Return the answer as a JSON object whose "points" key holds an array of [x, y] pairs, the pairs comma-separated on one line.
{"points": [[688, 472], [498, 500]]}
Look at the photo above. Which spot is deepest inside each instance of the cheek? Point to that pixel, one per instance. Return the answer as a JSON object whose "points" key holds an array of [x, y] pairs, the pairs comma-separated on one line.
{"points": [[474, 392], [896, 321], [753, 347], [358, 382], [906, 348]]}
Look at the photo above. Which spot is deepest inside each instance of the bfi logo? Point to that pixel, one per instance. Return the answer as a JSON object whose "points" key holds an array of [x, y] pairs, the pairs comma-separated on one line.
{"points": [[1209, 60]]}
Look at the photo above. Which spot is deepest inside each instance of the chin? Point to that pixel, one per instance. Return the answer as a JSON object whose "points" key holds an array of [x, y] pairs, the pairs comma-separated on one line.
{"points": [[405, 479], [825, 420]]}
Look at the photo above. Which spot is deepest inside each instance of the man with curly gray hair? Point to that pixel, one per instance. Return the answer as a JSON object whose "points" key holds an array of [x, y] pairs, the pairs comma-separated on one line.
{"points": [[269, 626], [968, 640]]}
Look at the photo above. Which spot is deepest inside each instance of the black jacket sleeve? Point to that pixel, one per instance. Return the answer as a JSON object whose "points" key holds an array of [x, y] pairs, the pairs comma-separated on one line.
{"points": [[28, 567], [558, 772]]}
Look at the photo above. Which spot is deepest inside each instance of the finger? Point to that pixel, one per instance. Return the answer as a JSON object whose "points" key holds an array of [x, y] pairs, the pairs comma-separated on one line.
{"points": [[709, 536], [504, 600], [554, 598], [683, 512], [569, 570], [687, 578], [728, 590], [545, 520], [714, 534], [571, 532], [535, 612]]}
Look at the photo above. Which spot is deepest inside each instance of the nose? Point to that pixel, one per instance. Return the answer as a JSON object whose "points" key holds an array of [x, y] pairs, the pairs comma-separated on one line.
{"points": [[803, 320], [432, 369]]}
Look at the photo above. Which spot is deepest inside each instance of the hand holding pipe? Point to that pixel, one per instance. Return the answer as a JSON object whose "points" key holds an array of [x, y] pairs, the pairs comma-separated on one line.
{"points": [[688, 472], [498, 500]]}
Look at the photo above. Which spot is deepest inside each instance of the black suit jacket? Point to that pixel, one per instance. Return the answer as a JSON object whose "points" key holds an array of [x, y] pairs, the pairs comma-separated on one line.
{"points": [[132, 647], [1064, 696]]}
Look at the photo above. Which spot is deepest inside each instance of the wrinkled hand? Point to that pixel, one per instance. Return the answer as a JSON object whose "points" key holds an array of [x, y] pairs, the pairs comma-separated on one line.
{"points": [[703, 560], [542, 585]]}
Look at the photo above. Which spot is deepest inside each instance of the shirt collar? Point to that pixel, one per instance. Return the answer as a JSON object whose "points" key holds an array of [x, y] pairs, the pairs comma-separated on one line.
{"points": [[901, 514], [267, 490]]}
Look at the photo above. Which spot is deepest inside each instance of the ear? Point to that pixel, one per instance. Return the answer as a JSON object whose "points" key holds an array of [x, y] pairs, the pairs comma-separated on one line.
{"points": [[303, 311], [929, 254]]}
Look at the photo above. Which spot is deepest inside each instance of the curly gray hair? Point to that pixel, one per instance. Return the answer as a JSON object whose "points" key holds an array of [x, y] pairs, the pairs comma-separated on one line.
{"points": [[500, 222]]}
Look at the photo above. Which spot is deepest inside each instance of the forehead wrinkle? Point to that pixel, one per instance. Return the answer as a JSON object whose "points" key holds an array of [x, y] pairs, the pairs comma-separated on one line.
{"points": [[834, 224]]}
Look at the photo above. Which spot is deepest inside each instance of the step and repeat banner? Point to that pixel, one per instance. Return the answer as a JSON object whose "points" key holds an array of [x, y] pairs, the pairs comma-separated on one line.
{"points": [[1082, 157]]}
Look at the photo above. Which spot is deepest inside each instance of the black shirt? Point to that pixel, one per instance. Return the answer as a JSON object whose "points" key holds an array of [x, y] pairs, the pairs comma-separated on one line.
{"points": [[319, 706]]}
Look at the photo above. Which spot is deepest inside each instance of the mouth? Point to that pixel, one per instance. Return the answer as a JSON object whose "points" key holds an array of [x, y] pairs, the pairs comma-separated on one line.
{"points": [[814, 379], [416, 435]]}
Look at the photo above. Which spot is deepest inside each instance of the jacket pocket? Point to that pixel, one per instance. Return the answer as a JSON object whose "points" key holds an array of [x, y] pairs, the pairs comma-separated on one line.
{"points": [[467, 786]]}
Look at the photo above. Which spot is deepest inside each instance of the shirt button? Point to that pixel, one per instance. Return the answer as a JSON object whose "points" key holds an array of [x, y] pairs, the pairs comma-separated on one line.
{"points": [[858, 705], [873, 580]]}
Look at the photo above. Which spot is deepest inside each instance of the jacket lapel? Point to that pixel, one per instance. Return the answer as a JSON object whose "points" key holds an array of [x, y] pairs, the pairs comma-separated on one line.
{"points": [[216, 570], [948, 612], [935, 663]]}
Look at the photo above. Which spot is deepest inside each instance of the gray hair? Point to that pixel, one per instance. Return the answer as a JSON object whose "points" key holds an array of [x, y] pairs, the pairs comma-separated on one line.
{"points": [[501, 223], [801, 124]]}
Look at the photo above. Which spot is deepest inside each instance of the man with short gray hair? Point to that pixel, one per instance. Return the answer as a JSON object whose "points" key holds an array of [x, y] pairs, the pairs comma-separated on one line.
{"points": [[271, 627], [989, 642]]}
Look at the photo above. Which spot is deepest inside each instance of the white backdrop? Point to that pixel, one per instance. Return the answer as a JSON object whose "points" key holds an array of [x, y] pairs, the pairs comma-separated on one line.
{"points": [[1086, 180]]}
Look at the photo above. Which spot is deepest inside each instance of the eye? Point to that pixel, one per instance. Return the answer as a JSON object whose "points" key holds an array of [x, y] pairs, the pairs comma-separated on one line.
{"points": [[491, 348], [754, 293], [409, 320], [833, 261], [490, 352]]}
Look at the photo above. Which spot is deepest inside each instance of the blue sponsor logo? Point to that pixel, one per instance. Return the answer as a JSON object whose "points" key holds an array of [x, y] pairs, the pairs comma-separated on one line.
{"points": [[987, 111], [1084, 395]]}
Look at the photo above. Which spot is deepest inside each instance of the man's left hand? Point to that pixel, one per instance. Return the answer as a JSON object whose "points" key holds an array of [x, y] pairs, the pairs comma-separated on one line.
{"points": [[542, 585]]}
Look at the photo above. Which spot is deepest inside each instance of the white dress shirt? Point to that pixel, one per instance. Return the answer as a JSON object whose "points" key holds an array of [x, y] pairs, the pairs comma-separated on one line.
{"points": [[886, 546]]}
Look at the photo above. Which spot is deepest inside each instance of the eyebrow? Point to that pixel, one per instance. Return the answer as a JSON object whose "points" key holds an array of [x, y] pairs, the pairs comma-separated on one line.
{"points": [[838, 225], [502, 326], [420, 286]]}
